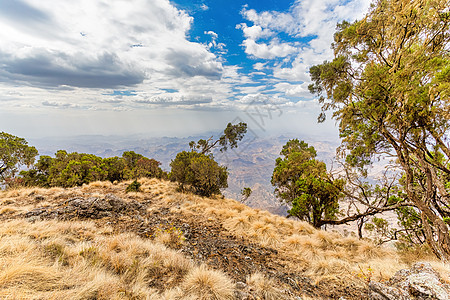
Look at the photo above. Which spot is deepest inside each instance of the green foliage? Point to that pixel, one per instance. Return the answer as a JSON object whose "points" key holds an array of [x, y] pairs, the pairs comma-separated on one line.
{"points": [[246, 192], [74, 169], [231, 136], [137, 166], [14, 152], [388, 87], [199, 171], [303, 182], [135, 186], [116, 168], [379, 226]]}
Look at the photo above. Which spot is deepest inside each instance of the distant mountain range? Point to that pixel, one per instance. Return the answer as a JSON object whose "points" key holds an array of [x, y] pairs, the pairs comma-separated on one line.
{"points": [[249, 165]]}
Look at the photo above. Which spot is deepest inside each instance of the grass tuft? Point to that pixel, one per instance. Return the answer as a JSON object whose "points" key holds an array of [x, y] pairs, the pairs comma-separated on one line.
{"points": [[263, 287], [208, 284]]}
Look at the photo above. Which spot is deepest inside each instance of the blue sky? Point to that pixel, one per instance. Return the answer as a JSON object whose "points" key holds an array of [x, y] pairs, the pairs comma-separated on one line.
{"points": [[163, 67]]}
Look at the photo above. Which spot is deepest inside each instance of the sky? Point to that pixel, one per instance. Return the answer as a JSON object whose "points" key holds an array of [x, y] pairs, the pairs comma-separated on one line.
{"points": [[159, 67]]}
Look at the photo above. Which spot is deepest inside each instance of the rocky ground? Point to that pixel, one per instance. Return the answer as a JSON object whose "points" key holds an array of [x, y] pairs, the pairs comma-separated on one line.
{"points": [[203, 240]]}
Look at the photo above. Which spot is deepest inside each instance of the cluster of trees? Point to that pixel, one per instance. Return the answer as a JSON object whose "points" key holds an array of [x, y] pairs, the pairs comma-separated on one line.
{"points": [[75, 169], [195, 170], [68, 169]]}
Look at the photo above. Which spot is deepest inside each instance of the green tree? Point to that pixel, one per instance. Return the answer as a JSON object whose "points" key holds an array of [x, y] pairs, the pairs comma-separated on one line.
{"points": [[389, 87], [230, 137], [246, 192], [137, 166], [115, 166], [302, 181], [14, 152], [199, 171], [135, 186], [76, 169]]}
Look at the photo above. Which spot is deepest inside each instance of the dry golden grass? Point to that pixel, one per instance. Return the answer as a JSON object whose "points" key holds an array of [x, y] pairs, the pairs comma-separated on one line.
{"points": [[264, 287], [206, 284], [171, 237], [78, 260], [320, 254], [82, 260]]}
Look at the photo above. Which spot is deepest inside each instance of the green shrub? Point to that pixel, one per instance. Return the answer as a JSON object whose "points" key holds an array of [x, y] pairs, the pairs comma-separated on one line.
{"points": [[135, 186], [199, 171]]}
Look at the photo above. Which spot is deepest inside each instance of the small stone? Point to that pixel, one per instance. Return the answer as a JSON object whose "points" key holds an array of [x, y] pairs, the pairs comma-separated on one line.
{"points": [[33, 219], [240, 285], [427, 287], [379, 291], [240, 295], [39, 198]]}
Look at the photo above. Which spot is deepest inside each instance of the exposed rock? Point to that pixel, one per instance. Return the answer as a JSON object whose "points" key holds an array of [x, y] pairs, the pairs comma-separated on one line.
{"points": [[380, 291], [240, 285], [91, 207], [419, 282]]}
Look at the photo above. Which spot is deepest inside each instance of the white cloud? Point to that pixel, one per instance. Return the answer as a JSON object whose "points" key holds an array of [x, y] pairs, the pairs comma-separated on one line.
{"points": [[312, 19], [214, 45], [212, 34], [62, 105], [294, 90], [259, 66], [268, 51], [272, 101], [273, 20], [100, 44], [254, 32]]}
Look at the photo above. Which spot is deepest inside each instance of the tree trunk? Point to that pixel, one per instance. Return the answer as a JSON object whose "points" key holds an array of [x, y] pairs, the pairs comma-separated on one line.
{"points": [[432, 224]]}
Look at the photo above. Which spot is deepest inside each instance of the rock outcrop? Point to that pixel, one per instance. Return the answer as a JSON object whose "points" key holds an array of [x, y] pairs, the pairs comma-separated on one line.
{"points": [[419, 282], [90, 208]]}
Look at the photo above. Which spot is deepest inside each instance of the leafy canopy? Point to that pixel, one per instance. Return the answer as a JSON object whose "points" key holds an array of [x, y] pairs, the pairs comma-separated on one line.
{"points": [[303, 182], [14, 152], [199, 171], [230, 137], [389, 88], [74, 169]]}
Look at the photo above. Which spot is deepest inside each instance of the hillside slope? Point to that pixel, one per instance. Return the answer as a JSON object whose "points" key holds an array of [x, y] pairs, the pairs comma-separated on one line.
{"points": [[98, 242]]}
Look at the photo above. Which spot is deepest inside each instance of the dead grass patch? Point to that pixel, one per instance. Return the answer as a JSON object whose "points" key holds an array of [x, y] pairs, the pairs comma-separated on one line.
{"points": [[84, 254], [78, 260], [265, 288], [208, 284]]}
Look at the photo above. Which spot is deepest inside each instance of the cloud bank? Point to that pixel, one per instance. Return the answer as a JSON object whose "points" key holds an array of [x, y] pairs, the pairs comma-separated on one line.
{"points": [[132, 55]]}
